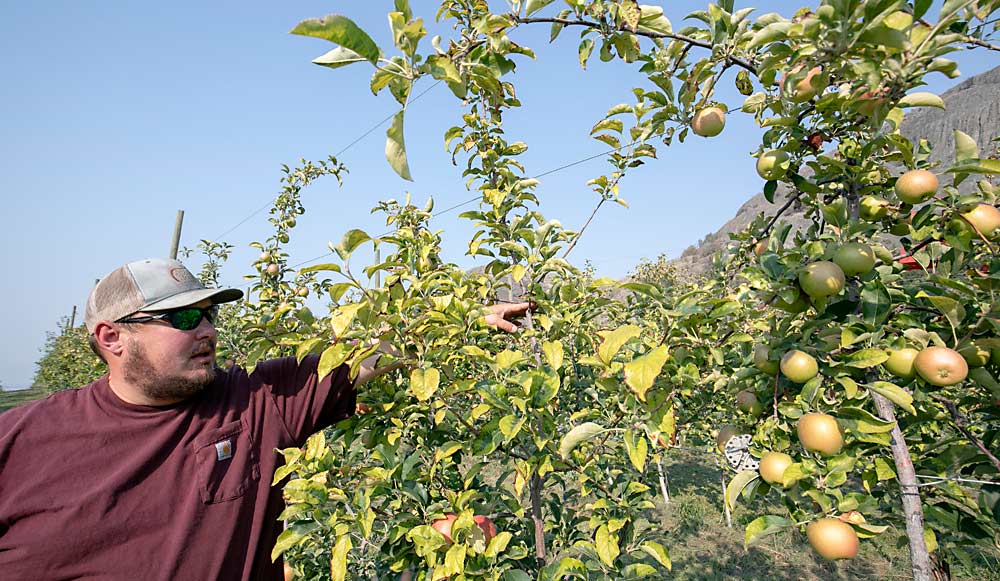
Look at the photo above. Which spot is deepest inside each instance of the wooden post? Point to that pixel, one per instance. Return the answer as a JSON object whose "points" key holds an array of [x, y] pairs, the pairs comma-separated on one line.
{"points": [[72, 318], [175, 243], [378, 273], [663, 482]]}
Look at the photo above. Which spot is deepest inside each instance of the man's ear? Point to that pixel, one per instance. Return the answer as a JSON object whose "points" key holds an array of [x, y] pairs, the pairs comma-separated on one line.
{"points": [[109, 338]]}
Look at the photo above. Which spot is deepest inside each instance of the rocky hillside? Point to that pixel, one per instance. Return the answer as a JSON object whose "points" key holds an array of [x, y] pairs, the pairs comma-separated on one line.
{"points": [[972, 106]]}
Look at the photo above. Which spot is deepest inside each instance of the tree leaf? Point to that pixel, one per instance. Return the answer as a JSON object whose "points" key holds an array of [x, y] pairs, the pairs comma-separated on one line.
{"points": [[343, 317], [737, 484], [338, 560], [614, 340], [586, 47], [922, 99], [343, 31], [867, 358], [770, 33], [332, 357], [350, 242], [338, 57], [637, 449], [423, 383], [607, 545], [895, 394], [290, 536], [965, 147], [395, 148], [553, 351], [658, 552], [949, 307], [577, 435], [764, 526], [641, 372], [536, 5]]}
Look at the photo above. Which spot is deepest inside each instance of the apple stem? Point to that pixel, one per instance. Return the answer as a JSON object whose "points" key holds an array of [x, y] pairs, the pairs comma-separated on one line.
{"points": [[912, 510]]}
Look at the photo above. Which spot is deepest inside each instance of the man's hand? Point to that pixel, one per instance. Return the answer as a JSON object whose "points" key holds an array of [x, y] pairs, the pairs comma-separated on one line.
{"points": [[500, 315]]}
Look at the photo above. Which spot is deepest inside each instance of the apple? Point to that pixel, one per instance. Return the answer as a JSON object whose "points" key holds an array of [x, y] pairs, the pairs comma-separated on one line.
{"points": [[708, 122], [302, 291], [986, 219], [799, 366], [854, 258], [822, 279], [832, 538], [873, 208], [760, 247], [900, 362], [804, 89], [443, 526], [265, 257], [761, 359], [725, 433], [916, 186], [819, 432], [289, 572], [747, 401], [941, 366], [272, 269], [772, 165], [772, 466]]}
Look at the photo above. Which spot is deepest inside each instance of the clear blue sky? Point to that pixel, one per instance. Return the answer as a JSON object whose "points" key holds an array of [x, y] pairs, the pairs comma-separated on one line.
{"points": [[117, 114]]}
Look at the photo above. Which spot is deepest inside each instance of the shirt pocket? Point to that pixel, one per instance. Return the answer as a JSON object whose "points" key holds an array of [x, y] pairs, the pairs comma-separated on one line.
{"points": [[228, 464]]}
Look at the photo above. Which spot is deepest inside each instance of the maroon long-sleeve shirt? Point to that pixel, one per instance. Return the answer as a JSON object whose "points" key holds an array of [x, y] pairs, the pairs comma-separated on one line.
{"points": [[92, 487]]}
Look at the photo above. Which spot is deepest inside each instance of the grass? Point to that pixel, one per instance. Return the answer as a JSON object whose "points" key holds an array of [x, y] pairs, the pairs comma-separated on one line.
{"points": [[702, 546], [11, 399]]}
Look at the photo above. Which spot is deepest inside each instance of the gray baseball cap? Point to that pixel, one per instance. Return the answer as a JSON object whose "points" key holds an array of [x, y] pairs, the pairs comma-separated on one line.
{"points": [[154, 284]]}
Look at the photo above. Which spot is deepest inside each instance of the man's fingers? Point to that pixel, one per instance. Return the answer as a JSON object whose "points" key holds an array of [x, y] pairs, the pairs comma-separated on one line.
{"points": [[505, 325]]}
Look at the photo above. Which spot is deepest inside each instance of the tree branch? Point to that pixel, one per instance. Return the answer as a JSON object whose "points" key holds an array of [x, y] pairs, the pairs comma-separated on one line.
{"points": [[961, 422], [648, 34]]}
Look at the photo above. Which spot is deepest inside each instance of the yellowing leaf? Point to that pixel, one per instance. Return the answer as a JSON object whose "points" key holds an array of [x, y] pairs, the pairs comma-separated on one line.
{"points": [[922, 99], [641, 372], [553, 351], [607, 545], [613, 341], [343, 318], [395, 147], [423, 383], [338, 562], [577, 435]]}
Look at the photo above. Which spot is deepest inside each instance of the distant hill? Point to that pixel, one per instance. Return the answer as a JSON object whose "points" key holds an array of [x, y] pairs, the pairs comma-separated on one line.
{"points": [[10, 399], [972, 107]]}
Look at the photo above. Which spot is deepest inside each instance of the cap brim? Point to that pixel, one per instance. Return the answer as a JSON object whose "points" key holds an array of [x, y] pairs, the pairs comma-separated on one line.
{"points": [[184, 299]]}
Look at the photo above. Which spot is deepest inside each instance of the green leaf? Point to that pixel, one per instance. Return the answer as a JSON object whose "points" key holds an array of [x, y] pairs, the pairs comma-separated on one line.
{"points": [[338, 57], [965, 147], [641, 372], [764, 526], [395, 149], [290, 536], [863, 421], [607, 545], [658, 552], [867, 358], [737, 484], [637, 449], [883, 471], [332, 357], [949, 307], [895, 394], [980, 166], [770, 33], [586, 47], [577, 435], [306, 347], [321, 267], [343, 31], [441, 67], [653, 20], [614, 340], [922, 99], [338, 562], [350, 242], [536, 5], [507, 358], [423, 383]]}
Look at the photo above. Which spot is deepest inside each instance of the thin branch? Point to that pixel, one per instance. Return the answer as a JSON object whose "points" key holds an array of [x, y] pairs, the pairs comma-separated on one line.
{"points": [[585, 224], [648, 34], [961, 422], [781, 210], [981, 43]]}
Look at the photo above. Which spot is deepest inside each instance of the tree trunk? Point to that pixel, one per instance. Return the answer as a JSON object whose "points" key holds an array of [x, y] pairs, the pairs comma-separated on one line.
{"points": [[912, 509], [536, 516], [725, 505]]}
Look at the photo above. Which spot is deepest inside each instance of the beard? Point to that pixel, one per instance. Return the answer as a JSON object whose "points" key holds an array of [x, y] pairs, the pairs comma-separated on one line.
{"points": [[138, 370]]}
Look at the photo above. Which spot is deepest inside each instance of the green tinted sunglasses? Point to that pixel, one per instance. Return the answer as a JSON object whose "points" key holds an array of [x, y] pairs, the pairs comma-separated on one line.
{"points": [[185, 319]]}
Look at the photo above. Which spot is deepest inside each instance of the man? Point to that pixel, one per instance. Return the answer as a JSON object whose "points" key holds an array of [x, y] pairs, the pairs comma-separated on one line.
{"points": [[162, 468]]}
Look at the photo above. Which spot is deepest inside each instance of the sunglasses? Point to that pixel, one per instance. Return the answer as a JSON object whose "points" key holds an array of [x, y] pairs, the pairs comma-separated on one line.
{"points": [[184, 319]]}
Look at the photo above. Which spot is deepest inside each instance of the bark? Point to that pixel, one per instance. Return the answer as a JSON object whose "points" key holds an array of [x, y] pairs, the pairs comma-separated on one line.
{"points": [[912, 509], [536, 516], [725, 505]]}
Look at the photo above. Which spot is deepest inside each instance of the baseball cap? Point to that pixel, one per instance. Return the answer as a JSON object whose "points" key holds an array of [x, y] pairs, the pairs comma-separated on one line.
{"points": [[154, 284]]}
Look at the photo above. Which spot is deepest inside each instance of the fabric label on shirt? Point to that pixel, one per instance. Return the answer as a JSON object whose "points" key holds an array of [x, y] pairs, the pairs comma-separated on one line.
{"points": [[223, 450]]}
